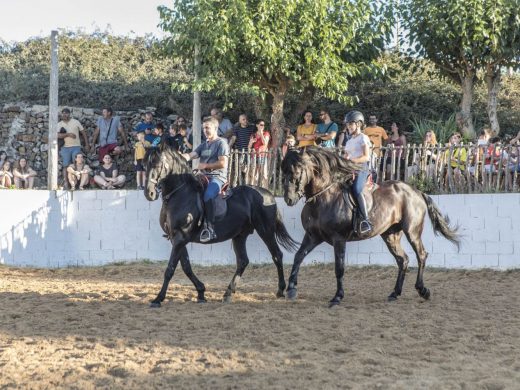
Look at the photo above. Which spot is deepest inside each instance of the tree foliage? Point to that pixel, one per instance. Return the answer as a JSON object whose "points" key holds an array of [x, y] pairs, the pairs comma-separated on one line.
{"points": [[463, 37], [274, 46]]}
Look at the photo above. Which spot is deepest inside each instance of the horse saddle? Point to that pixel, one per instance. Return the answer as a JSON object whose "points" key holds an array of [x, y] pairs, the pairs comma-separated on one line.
{"points": [[220, 202], [348, 198]]}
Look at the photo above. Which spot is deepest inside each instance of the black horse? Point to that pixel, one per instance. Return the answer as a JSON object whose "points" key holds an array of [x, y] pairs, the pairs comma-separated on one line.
{"points": [[248, 209], [323, 177]]}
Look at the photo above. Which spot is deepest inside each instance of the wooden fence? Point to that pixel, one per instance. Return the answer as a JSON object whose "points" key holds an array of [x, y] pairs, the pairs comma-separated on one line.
{"points": [[433, 169]]}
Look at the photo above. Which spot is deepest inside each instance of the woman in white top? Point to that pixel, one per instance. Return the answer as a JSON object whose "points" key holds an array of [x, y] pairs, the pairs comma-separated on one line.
{"points": [[357, 150]]}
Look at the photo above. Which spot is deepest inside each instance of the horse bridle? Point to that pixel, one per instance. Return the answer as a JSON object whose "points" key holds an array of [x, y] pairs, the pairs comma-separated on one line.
{"points": [[301, 190]]}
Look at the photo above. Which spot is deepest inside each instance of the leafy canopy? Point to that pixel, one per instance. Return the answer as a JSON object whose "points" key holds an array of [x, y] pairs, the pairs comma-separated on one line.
{"points": [[269, 46]]}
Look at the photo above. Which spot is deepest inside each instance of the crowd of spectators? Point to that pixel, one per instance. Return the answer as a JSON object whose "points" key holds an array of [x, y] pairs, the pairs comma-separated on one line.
{"points": [[251, 145]]}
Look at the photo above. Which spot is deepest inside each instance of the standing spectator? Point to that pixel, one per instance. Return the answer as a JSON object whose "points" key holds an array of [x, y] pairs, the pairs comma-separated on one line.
{"points": [[483, 138], [146, 126], [376, 134], [107, 177], [23, 174], [514, 165], [241, 134], [6, 176], [182, 142], [68, 131], [327, 130], [158, 133], [139, 152], [398, 140], [107, 128], [306, 132], [78, 173], [225, 128], [259, 142], [458, 157]]}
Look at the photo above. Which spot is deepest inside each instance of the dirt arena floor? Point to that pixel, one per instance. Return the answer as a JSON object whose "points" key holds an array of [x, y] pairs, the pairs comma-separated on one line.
{"points": [[93, 328]]}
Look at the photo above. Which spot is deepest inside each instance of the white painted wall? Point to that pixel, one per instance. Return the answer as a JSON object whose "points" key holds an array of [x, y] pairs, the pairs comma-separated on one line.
{"points": [[57, 229]]}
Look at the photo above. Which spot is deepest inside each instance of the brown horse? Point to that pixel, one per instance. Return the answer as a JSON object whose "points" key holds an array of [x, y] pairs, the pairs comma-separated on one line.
{"points": [[323, 177]]}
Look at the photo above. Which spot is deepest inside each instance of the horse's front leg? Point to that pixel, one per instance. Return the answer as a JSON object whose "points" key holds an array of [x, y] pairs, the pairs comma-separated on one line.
{"points": [[186, 267], [308, 244], [339, 259], [177, 246]]}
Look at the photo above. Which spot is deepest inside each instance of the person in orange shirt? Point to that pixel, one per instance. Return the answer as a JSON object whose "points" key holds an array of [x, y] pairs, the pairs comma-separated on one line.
{"points": [[376, 134], [306, 132]]}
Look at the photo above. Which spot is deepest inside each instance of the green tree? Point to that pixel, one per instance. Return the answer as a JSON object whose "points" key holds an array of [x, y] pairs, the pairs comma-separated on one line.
{"points": [[270, 47], [463, 37]]}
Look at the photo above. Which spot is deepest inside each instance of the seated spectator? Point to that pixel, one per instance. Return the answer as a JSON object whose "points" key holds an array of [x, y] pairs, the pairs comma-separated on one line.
{"points": [[78, 173], [326, 131], [107, 177], [259, 142], [6, 176], [3, 158], [483, 137], [158, 133], [139, 152], [23, 175], [182, 142]]}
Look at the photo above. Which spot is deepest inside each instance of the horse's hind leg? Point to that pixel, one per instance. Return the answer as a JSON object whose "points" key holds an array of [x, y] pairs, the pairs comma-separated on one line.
{"points": [[393, 242], [420, 252], [339, 259], [277, 256], [186, 267], [239, 246]]}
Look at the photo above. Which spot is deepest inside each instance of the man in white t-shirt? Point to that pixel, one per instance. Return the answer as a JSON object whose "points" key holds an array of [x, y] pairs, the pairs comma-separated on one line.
{"points": [[68, 131]]}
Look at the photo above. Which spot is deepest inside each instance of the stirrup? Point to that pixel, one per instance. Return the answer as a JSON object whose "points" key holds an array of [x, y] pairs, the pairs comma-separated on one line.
{"points": [[365, 227], [207, 234]]}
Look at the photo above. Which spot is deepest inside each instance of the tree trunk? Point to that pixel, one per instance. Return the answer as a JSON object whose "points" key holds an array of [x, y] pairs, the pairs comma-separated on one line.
{"points": [[277, 118], [304, 101], [465, 116], [493, 86], [262, 105]]}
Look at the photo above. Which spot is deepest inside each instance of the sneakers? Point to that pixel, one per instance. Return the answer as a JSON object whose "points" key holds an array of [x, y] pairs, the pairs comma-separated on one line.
{"points": [[207, 234]]}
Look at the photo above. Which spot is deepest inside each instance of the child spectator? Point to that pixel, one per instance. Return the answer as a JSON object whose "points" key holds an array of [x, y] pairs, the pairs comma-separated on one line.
{"points": [[78, 173], [23, 175], [6, 176], [158, 134], [3, 157], [107, 177], [290, 143], [140, 150], [182, 142], [259, 142]]}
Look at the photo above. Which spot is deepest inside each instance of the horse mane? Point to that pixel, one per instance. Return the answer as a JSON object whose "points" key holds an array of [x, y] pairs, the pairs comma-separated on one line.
{"points": [[180, 167], [330, 166]]}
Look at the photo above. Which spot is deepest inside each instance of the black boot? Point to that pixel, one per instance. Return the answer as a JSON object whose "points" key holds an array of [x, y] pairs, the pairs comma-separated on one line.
{"points": [[208, 232], [364, 226]]}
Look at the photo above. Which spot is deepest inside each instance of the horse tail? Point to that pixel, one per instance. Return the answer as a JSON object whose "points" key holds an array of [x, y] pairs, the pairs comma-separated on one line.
{"points": [[440, 223], [282, 235]]}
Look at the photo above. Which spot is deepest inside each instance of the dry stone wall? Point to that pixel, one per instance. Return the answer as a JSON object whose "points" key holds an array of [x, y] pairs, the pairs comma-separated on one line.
{"points": [[24, 133]]}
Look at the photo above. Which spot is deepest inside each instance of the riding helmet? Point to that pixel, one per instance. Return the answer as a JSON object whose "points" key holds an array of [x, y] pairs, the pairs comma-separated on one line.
{"points": [[354, 116]]}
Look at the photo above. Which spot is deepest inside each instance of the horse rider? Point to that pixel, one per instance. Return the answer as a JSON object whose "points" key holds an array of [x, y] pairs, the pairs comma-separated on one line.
{"points": [[213, 154], [357, 150]]}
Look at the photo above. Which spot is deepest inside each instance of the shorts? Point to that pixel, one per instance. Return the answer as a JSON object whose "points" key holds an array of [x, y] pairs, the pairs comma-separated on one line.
{"points": [[68, 154], [104, 150], [139, 166]]}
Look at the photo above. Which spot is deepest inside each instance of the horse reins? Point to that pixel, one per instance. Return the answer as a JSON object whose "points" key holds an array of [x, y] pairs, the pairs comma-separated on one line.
{"points": [[313, 197]]}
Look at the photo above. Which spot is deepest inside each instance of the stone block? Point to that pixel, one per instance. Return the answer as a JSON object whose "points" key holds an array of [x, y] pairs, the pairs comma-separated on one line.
{"points": [[357, 259], [484, 261], [499, 223], [472, 247], [381, 258], [508, 261], [485, 235], [457, 260], [499, 248], [435, 260], [125, 255], [90, 205]]}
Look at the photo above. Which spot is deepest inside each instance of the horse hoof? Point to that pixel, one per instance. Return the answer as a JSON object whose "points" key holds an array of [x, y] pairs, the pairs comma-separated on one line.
{"points": [[201, 300], [334, 302], [280, 294], [292, 294], [392, 297], [226, 299], [155, 304], [426, 294]]}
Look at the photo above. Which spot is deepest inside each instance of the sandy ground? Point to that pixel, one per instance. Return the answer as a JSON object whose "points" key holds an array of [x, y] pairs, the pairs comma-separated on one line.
{"points": [[92, 328]]}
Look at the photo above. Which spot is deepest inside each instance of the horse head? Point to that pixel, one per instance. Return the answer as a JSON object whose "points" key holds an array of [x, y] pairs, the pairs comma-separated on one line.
{"points": [[161, 162], [296, 176]]}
